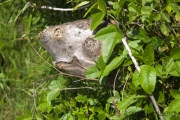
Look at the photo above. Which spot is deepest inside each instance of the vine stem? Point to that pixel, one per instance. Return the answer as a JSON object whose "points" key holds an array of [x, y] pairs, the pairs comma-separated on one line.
{"points": [[138, 69]]}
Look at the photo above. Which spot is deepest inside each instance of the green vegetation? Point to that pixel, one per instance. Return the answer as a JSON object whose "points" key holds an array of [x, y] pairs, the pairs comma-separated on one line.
{"points": [[32, 89]]}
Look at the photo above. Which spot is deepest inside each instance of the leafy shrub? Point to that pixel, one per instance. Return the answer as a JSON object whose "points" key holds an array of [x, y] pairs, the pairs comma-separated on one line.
{"points": [[152, 32]]}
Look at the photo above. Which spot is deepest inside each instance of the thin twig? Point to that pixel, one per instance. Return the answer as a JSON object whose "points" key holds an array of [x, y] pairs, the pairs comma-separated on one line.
{"points": [[138, 69], [65, 9], [114, 85], [130, 54]]}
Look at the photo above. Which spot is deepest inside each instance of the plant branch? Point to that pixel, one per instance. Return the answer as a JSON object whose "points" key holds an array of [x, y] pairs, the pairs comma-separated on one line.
{"points": [[65, 9], [138, 69]]}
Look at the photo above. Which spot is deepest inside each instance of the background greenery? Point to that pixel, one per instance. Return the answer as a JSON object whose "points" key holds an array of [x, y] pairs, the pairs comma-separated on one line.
{"points": [[30, 88]]}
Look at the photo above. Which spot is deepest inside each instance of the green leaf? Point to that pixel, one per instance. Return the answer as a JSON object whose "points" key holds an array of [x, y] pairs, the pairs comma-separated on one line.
{"points": [[148, 78], [136, 79], [174, 106], [24, 117], [175, 94], [44, 107], [175, 53], [101, 64], [80, 4], [110, 35], [142, 35], [148, 55], [55, 87], [52, 94], [102, 6], [159, 70], [126, 102], [146, 10], [175, 7], [165, 17], [113, 64], [81, 98], [97, 17], [57, 84], [89, 10], [165, 30], [177, 65], [93, 72], [168, 65], [177, 17], [67, 116], [132, 110]]}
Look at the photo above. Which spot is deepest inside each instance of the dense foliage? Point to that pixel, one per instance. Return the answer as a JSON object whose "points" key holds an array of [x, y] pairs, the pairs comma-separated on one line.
{"points": [[121, 91]]}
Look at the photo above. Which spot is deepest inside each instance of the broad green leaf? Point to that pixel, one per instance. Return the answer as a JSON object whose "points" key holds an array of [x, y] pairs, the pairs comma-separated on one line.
{"points": [[92, 101], [164, 29], [80, 4], [142, 35], [158, 17], [177, 17], [67, 116], [24, 117], [55, 88], [174, 72], [168, 65], [44, 107], [159, 70], [136, 79], [109, 32], [113, 64], [60, 83], [175, 53], [132, 110], [52, 94], [177, 65], [93, 72], [174, 106], [175, 94], [146, 10], [175, 7], [102, 6], [126, 102], [110, 35], [148, 78], [97, 19], [107, 48], [81, 98], [101, 64], [148, 55], [165, 17]]}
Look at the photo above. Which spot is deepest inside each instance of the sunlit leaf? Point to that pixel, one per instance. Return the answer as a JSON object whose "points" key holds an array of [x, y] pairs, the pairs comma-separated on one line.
{"points": [[164, 29], [113, 64], [126, 102], [102, 5], [175, 94], [175, 53], [136, 79], [148, 78], [148, 55], [80, 4], [174, 106], [93, 72], [81, 98], [52, 94], [110, 35]]}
